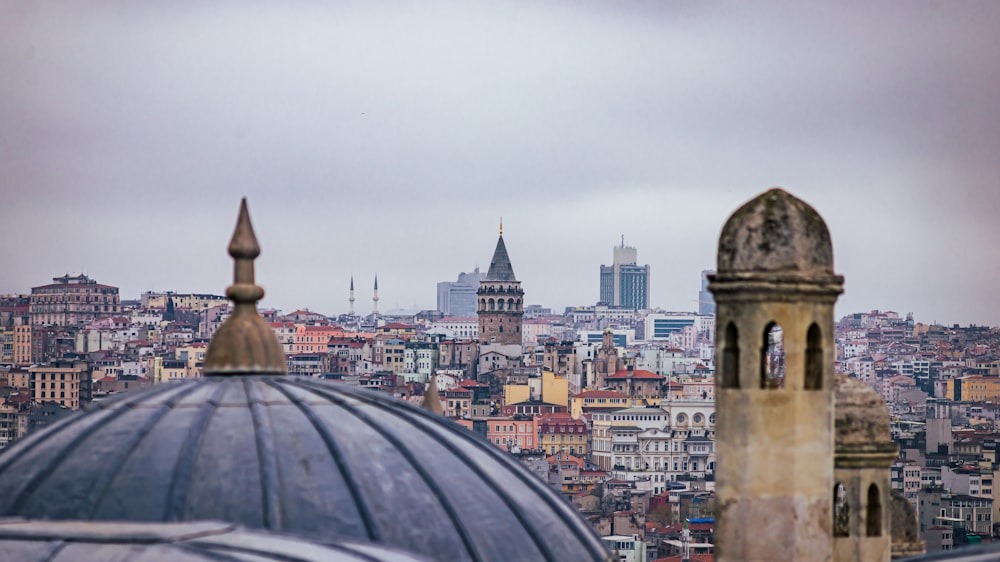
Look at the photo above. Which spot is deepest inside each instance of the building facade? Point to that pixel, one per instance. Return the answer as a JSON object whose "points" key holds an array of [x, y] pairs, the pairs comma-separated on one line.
{"points": [[458, 298], [67, 384], [625, 283], [72, 301]]}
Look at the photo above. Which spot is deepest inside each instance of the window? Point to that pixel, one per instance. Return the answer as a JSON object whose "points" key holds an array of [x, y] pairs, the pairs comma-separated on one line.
{"points": [[814, 359], [841, 511], [772, 358], [731, 358], [873, 514]]}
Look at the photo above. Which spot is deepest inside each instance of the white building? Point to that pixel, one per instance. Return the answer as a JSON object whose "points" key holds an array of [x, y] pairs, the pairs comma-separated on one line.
{"points": [[656, 444]]}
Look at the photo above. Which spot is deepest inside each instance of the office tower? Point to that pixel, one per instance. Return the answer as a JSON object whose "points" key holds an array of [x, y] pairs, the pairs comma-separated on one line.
{"points": [[625, 283]]}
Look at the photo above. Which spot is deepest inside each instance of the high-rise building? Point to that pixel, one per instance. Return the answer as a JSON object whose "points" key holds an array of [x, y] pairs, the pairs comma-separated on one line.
{"points": [[706, 302], [625, 283], [501, 301], [72, 301], [458, 298]]}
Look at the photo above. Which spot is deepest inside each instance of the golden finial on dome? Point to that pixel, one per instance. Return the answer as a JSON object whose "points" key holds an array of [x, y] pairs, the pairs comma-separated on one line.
{"points": [[501, 226], [244, 344]]}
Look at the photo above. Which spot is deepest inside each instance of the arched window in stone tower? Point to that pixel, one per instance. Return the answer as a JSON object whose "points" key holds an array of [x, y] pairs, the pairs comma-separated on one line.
{"points": [[841, 511], [493, 304], [510, 304], [873, 513], [499, 304], [731, 358], [814, 358], [772, 358]]}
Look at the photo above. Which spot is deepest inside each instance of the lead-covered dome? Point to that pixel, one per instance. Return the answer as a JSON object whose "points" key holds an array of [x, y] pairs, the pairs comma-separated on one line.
{"points": [[775, 233], [310, 458], [205, 541]]}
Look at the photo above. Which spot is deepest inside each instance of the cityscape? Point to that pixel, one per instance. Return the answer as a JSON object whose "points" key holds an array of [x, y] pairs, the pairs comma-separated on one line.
{"points": [[528, 285], [612, 404]]}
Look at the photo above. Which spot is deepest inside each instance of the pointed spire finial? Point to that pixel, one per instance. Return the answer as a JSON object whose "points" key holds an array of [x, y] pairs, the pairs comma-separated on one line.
{"points": [[244, 344], [432, 401], [501, 226]]}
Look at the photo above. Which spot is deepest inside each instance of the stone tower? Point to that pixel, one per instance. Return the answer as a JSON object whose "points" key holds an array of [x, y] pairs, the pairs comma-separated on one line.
{"points": [[501, 301], [375, 298], [864, 451], [607, 362], [774, 389]]}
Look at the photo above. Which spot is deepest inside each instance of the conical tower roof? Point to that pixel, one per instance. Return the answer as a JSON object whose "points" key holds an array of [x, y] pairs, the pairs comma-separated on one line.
{"points": [[500, 268]]}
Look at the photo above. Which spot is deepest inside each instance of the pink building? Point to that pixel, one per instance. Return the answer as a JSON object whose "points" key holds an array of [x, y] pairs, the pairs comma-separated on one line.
{"points": [[516, 431]]}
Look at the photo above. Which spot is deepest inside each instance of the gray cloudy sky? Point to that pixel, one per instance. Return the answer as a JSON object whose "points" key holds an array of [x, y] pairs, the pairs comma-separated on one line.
{"points": [[390, 137]]}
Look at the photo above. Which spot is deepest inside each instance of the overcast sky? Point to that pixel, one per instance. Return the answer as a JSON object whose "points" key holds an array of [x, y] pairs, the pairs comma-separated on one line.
{"points": [[389, 138]]}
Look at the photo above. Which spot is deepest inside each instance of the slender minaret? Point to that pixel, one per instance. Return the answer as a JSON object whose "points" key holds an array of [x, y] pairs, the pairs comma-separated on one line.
{"points": [[351, 298], [375, 297]]}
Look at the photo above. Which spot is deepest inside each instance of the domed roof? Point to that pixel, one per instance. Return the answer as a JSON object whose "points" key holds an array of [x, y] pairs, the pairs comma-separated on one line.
{"points": [[207, 541], [861, 416], [310, 458], [775, 233]]}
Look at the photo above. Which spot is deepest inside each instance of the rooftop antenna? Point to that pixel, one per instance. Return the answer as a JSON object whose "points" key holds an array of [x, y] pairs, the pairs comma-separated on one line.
{"points": [[623, 240]]}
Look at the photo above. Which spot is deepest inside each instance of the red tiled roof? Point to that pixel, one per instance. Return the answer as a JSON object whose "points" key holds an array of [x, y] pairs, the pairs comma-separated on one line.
{"points": [[639, 374], [469, 383]]}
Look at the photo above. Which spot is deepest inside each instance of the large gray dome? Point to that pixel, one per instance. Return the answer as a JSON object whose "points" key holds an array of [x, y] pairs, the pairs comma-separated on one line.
{"points": [[310, 458], [205, 541]]}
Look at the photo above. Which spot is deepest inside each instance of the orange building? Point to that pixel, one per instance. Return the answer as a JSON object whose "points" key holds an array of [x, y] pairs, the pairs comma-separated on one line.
{"points": [[515, 431], [313, 339]]}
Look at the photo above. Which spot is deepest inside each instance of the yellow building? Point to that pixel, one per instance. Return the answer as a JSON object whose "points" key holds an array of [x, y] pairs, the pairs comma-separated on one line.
{"points": [[391, 354], [975, 388], [193, 355], [515, 393], [59, 383], [549, 388], [597, 400], [192, 301], [16, 378], [555, 389], [22, 344], [559, 433]]}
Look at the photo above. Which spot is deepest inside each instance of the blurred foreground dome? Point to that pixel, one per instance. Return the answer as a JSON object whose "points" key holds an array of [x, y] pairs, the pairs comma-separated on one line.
{"points": [[208, 541], [251, 446]]}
